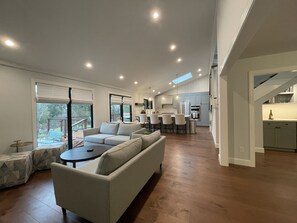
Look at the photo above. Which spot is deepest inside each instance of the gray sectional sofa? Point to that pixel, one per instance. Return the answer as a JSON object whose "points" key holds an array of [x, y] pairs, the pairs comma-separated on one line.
{"points": [[111, 134], [102, 189]]}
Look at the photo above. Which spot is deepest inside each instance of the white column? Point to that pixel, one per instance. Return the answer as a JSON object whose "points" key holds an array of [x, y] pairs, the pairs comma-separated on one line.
{"points": [[223, 122]]}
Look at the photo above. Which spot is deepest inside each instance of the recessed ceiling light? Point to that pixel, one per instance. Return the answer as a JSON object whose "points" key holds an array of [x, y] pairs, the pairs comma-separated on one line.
{"points": [[173, 85], [170, 83], [200, 75], [135, 82], [121, 77], [159, 92], [154, 90], [155, 15], [199, 70], [179, 60], [9, 43], [172, 47], [89, 65]]}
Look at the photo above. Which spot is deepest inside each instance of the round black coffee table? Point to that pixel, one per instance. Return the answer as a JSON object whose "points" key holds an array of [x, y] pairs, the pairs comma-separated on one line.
{"points": [[81, 154]]}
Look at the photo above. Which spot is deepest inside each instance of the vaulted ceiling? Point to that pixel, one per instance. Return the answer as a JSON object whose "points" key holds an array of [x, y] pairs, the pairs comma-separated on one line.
{"points": [[116, 37], [278, 33]]}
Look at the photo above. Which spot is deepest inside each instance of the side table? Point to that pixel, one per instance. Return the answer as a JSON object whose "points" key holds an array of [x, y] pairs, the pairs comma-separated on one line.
{"points": [[15, 168], [43, 156]]}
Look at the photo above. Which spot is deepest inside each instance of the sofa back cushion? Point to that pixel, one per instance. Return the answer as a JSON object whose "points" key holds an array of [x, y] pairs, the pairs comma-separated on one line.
{"points": [[148, 140], [127, 129], [118, 155], [109, 128]]}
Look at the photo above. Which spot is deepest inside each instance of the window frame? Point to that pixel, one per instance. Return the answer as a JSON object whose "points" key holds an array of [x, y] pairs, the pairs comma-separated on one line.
{"points": [[69, 107], [121, 106]]}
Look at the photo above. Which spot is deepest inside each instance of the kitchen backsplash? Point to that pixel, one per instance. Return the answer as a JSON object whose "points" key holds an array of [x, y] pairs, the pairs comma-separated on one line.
{"points": [[167, 109]]}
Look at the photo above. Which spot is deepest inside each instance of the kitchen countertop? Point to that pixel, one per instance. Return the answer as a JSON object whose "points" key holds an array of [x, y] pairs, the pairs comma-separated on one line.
{"points": [[173, 115], [280, 120]]}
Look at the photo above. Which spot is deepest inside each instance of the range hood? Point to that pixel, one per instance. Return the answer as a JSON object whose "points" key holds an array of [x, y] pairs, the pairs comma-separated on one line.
{"points": [[167, 100]]}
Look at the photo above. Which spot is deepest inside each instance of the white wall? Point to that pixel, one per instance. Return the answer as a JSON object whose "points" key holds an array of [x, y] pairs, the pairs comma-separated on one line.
{"points": [[214, 114], [138, 98], [16, 100], [280, 111], [231, 15], [238, 99], [258, 128]]}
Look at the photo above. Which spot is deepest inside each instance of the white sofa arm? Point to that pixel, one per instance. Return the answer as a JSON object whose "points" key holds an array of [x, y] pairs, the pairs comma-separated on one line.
{"points": [[92, 131], [139, 131], [86, 194]]}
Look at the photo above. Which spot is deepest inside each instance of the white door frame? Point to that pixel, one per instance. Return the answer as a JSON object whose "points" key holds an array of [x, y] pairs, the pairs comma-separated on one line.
{"points": [[252, 74]]}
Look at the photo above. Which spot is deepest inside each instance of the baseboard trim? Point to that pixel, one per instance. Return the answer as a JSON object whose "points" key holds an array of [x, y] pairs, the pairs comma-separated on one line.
{"points": [[241, 162], [259, 150], [217, 145]]}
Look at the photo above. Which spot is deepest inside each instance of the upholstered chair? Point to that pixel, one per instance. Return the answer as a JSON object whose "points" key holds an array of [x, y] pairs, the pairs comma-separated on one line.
{"points": [[143, 120], [167, 122], [180, 121], [155, 122]]}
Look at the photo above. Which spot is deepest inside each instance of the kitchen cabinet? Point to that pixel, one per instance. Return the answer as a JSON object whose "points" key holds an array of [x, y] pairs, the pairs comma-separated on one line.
{"points": [[163, 100], [286, 96], [279, 134]]}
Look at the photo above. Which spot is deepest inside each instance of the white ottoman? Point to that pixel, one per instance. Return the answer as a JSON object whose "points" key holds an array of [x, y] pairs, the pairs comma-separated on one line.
{"points": [[15, 168], [43, 156]]}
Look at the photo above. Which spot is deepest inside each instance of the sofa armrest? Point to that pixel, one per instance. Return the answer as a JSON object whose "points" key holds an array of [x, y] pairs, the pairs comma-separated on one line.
{"points": [[136, 135], [86, 194], [139, 131], [92, 131]]}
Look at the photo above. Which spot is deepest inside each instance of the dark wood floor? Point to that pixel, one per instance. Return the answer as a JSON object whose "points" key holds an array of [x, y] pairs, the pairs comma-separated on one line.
{"points": [[192, 188]]}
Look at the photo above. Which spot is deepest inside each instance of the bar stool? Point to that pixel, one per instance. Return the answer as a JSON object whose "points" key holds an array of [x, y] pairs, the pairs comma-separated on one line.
{"points": [[167, 122], [155, 122], [143, 121], [180, 120]]}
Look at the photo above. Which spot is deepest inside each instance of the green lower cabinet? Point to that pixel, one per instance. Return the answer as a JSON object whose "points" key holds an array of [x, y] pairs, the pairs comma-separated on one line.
{"points": [[279, 134]]}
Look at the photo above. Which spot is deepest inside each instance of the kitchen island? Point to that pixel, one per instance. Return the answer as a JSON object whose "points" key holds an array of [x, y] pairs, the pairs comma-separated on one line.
{"points": [[187, 117]]}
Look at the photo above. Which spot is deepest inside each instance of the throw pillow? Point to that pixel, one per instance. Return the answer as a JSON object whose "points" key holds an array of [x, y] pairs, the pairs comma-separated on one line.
{"points": [[109, 128], [148, 140], [118, 155], [127, 129]]}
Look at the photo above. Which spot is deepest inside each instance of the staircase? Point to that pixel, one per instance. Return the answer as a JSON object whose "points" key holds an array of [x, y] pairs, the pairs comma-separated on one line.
{"points": [[268, 86]]}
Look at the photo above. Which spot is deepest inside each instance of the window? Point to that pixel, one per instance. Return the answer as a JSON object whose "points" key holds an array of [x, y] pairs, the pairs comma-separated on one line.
{"points": [[147, 104], [51, 123], [62, 114], [120, 108]]}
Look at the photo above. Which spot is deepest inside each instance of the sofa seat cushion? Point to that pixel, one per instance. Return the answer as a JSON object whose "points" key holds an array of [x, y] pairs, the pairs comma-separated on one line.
{"points": [[118, 155], [97, 138], [109, 128], [127, 129], [148, 140], [116, 140]]}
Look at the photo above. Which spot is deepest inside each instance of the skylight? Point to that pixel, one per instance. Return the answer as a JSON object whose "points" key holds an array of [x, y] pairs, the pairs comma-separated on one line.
{"points": [[182, 78]]}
